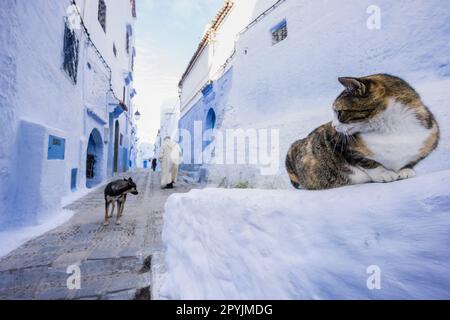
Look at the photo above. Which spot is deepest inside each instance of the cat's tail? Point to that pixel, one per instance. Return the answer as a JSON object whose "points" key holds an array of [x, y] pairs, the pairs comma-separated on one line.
{"points": [[291, 171]]}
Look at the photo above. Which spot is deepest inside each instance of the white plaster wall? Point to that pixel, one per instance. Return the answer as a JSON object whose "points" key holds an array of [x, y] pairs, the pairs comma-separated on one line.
{"points": [[209, 64], [8, 64], [195, 80], [36, 90], [46, 97], [292, 85], [117, 17]]}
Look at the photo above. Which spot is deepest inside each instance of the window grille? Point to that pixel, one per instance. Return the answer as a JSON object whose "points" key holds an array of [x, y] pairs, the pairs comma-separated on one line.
{"points": [[279, 32], [129, 34], [102, 14], [71, 51]]}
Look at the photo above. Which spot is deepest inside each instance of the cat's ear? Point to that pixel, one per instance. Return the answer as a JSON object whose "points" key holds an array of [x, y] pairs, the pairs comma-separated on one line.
{"points": [[354, 85]]}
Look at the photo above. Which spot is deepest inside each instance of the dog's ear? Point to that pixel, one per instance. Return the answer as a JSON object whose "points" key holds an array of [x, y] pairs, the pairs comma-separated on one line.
{"points": [[130, 180], [125, 179]]}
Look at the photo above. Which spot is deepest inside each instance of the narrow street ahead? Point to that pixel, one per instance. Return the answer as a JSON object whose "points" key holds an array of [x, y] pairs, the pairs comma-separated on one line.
{"points": [[115, 262]]}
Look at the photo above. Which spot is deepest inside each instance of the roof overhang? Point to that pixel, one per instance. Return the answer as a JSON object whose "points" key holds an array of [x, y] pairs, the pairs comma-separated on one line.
{"points": [[215, 24]]}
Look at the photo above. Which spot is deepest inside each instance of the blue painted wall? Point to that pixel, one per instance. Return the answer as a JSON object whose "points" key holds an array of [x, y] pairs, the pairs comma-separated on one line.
{"points": [[215, 97]]}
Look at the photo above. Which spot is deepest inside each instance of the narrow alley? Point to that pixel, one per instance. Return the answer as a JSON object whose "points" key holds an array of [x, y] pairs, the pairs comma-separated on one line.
{"points": [[303, 147], [115, 262]]}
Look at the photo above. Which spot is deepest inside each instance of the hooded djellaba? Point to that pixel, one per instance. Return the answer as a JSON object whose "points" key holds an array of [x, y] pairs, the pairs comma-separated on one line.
{"points": [[170, 160]]}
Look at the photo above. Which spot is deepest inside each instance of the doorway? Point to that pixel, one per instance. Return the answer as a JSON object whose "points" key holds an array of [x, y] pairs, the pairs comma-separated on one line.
{"points": [[94, 159], [116, 146], [210, 124]]}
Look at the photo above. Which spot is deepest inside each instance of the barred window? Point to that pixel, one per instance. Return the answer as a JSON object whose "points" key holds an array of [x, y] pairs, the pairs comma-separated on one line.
{"points": [[71, 50], [102, 14], [128, 43], [133, 56], [129, 31], [279, 32]]}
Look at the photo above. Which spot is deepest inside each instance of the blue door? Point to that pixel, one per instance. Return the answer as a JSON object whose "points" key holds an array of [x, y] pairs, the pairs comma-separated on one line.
{"points": [[56, 148]]}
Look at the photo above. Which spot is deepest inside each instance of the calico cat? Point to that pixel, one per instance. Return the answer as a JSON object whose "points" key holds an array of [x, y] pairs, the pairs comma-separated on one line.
{"points": [[381, 130]]}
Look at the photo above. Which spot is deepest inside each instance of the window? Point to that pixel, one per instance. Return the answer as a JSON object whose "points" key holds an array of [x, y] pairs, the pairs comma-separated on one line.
{"points": [[121, 139], [102, 14], [207, 89], [56, 148], [129, 34], [114, 50], [71, 49], [279, 32], [128, 43]]}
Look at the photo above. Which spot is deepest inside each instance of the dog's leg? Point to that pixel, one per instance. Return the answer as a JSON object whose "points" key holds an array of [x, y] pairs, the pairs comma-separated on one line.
{"points": [[106, 222], [112, 210], [121, 208], [119, 211]]}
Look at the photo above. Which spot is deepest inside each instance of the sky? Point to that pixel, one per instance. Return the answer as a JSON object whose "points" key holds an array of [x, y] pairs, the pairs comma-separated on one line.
{"points": [[167, 35]]}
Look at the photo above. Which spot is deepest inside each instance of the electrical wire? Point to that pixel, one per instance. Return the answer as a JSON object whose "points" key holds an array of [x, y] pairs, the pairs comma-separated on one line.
{"points": [[102, 59]]}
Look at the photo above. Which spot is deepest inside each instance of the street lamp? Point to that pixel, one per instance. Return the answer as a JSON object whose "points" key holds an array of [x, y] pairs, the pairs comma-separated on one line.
{"points": [[137, 115]]}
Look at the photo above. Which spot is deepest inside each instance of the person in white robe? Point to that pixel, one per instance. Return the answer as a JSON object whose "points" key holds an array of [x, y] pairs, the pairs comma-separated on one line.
{"points": [[170, 161]]}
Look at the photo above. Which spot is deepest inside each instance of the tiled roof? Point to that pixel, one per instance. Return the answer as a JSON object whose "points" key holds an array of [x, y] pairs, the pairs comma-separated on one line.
{"points": [[215, 24]]}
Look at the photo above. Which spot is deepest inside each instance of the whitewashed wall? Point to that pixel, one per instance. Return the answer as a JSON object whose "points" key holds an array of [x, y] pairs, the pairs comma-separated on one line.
{"points": [[292, 85], [209, 64], [8, 65], [39, 99]]}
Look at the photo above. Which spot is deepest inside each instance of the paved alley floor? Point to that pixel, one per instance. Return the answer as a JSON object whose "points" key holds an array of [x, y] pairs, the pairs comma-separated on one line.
{"points": [[115, 262]]}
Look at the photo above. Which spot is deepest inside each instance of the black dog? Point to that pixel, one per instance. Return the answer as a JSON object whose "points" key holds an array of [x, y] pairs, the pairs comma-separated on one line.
{"points": [[117, 191]]}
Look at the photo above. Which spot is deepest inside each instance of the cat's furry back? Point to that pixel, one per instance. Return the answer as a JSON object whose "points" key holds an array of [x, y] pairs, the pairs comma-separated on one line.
{"points": [[381, 130]]}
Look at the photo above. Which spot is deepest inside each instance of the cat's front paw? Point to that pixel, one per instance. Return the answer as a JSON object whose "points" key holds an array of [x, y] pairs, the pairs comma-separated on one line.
{"points": [[386, 176], [406, 173]]}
